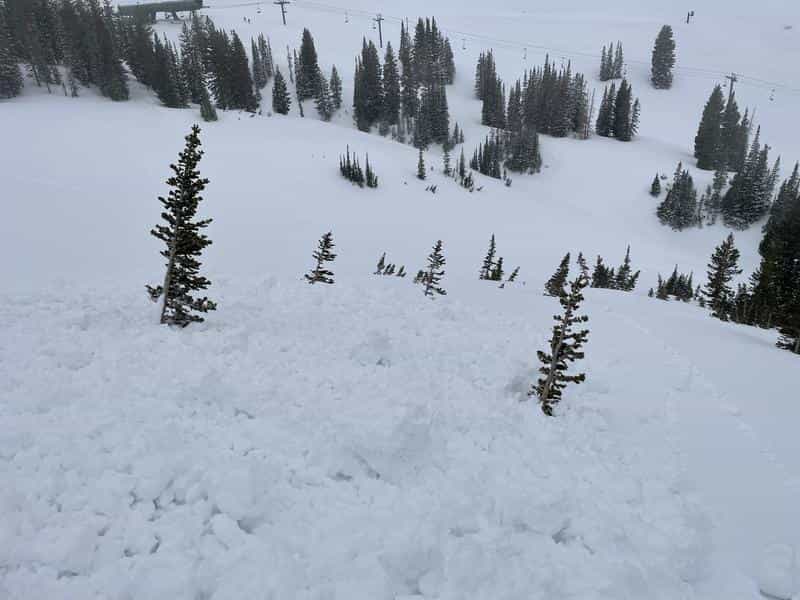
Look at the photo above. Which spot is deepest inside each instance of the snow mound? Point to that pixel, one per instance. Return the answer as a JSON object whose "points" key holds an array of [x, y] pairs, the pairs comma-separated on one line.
{"points": [[284, 449]]}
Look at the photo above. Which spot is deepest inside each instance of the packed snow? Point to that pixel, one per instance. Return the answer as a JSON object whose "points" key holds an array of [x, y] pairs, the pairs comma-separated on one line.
{"points": [[359, 441]]}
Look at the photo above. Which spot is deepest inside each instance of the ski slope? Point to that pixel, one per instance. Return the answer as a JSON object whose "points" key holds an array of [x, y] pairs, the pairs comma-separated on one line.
{"points": [[359, 441]]}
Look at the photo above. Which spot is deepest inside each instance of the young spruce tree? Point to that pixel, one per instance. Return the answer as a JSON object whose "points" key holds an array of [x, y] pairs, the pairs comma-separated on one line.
{"points": [[323, 254], [565, 347], [555, 285], [721, 270], [433, 276], [184, 240], [663, 59]]}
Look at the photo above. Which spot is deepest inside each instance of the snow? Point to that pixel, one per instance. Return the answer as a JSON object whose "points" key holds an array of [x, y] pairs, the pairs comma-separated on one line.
{"points": [[359, 440]]}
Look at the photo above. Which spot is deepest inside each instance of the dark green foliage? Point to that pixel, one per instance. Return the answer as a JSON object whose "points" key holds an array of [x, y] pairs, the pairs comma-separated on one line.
{"points": [[242, 94], [679, 208], [307, 68], [602, 276], [167, 81], [679, 285], [184, 240], [10, 74], [489, 264], [619, 113], [564, 348], [523, 152], [280, 95], [421, 171], [368, 88], [351, 170], [721, 270], [408, 82], [488, 158], [322, 99], [655, 187], [707, 142], [207, 110], [555, 285], [663, 59], [384, 268], [750, 194], [371, 178], [323, 254], [435, 271], [191, 63], [498, 272], [625, 278], [611, 62], [336, 89], [391, 88], [776, 283]]}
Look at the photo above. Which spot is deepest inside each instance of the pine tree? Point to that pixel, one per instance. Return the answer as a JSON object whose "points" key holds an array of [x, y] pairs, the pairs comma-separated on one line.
{"points": [[10, 74], [619, 62], [280, 95], [184, 240], [623, 112], [323, 254], [663, 59], [446, 167], [625, 279], [722, 269], [565, 347], [707, 142], [750, 194], [207, 110], [435, 272], [336, 89], [555, 285], [605, 71], [307, 68], [421, 171], [370, 178], [679, 208], [391, 88], [655, 187], [381, 266], [242, 94], [323, 100], [498, 272]]}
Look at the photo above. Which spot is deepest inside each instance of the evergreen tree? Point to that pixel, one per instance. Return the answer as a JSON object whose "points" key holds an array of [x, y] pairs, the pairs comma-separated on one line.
{"points": [[623, 113], [446, 168], [280, 95], [498, 272], [368, 88], [602, 276], [488, 266], [605, 66], [207, 110], [679, 208], [421, 171], [371, 179], [323, 254], [391, 88], [625, 279], [407, 79], [435, 272], [721, 270], [242, 94], [323, 100], [555, 285], [655, 187], [619, 62], [663, 59], [749, 197], [193, 73], [336, 89], [10, 74], [308, 68], [184, 240], [707, 142], [565, 348]]}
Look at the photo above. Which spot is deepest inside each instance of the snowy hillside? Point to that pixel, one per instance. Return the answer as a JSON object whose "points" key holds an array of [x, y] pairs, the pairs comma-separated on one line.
{"points": [[361, 441]]}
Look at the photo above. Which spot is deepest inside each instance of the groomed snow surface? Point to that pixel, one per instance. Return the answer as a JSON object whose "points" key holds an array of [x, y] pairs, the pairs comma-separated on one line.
{"points": [[359, 441]]}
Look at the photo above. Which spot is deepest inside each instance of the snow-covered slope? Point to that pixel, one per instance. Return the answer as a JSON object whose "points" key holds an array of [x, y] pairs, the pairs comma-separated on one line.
{"points": [[360, 441]]}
